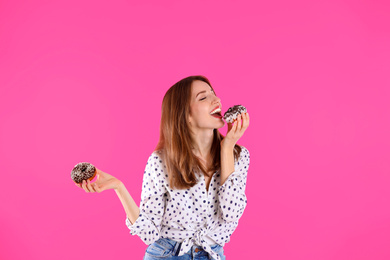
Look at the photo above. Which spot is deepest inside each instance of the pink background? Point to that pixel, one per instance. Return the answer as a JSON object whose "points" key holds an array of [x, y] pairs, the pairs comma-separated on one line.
{"points": [[84, 81]]}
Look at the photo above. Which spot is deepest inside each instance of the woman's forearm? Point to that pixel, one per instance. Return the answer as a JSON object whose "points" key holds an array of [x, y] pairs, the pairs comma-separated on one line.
{"points": [[132, 210], [227, 163]]}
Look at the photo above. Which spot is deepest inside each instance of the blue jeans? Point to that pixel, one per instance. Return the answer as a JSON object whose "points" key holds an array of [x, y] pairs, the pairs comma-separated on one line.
{"points": [[168, 249]]}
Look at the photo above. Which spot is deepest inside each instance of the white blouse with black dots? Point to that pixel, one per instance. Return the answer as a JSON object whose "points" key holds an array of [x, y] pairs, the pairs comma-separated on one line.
{"points": [[194, 215]]}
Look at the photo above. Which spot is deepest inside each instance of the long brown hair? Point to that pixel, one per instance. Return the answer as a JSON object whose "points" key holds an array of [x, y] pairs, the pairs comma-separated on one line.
{"points": [[175, 140]]}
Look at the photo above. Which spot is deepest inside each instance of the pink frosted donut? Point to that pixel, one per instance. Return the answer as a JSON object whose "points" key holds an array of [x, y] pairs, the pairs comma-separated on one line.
{"points": [[83, 171], [232, 113]]}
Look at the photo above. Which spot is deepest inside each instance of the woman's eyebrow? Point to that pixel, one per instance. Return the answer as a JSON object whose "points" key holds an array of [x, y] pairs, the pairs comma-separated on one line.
{"points": [[204, 91]]}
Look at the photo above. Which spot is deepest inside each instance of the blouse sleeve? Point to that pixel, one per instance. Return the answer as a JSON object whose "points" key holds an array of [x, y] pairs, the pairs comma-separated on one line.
{"points": [[152, 205], [232, 198]]}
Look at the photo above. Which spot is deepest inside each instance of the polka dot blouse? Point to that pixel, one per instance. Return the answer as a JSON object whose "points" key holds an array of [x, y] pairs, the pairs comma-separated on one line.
{"points": [[194, 215]]}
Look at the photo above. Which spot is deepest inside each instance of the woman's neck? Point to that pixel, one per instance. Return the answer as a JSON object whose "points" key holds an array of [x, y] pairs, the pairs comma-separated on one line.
{"points": [[201, 145]]}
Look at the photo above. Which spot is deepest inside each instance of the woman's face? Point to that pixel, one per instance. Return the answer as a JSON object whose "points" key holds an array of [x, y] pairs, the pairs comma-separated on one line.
{"points": [[203, 102]]}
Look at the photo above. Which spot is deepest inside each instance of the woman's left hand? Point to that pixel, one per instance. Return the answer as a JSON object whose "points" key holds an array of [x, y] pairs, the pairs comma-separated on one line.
{"points": [[235, 130]]}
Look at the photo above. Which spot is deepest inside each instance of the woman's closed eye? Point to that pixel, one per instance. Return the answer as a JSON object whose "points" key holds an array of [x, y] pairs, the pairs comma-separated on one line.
{"points": [[205, 97]]}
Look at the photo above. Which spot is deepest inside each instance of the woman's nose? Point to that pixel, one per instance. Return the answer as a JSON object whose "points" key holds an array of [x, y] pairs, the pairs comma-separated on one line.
{"points": [[217, 100]]}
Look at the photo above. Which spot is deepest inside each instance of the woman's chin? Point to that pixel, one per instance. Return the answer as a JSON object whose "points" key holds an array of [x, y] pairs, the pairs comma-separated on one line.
{"points": [[222, 124]]}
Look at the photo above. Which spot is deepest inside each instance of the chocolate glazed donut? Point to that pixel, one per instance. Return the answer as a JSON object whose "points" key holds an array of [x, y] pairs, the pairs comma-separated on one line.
{"points": [[83, 171], [232, 113]]}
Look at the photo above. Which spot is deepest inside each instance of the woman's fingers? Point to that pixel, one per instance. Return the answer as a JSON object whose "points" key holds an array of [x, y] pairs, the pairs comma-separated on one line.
{"points": [[234, 127], [245, 122], [242, 124], [89, 186], [86, 187], [239, 121], [232, 131], [96, 187], [238, 124], [230, 125]]}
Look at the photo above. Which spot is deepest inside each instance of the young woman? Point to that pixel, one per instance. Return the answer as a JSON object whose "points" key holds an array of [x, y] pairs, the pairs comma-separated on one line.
{"points": [[193, 191]]}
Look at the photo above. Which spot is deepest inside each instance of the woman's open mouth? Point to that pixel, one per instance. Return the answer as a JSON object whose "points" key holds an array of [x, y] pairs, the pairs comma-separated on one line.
{"points": [[217, 115]]}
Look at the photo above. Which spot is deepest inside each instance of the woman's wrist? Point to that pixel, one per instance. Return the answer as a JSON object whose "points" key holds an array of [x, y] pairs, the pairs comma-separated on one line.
{"points": [[119, 186], [226, 147]]}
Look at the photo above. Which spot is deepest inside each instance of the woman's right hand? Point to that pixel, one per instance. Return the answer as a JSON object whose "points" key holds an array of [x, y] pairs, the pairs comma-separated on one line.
{"points": [[104, 181]]}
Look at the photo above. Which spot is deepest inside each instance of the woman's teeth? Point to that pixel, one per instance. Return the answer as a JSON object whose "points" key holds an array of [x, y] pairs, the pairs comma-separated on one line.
{"points": [[217, 110]]}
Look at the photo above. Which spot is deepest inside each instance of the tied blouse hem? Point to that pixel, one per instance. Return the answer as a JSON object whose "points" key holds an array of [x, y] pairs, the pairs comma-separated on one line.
{"points": [[196, 215]]}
